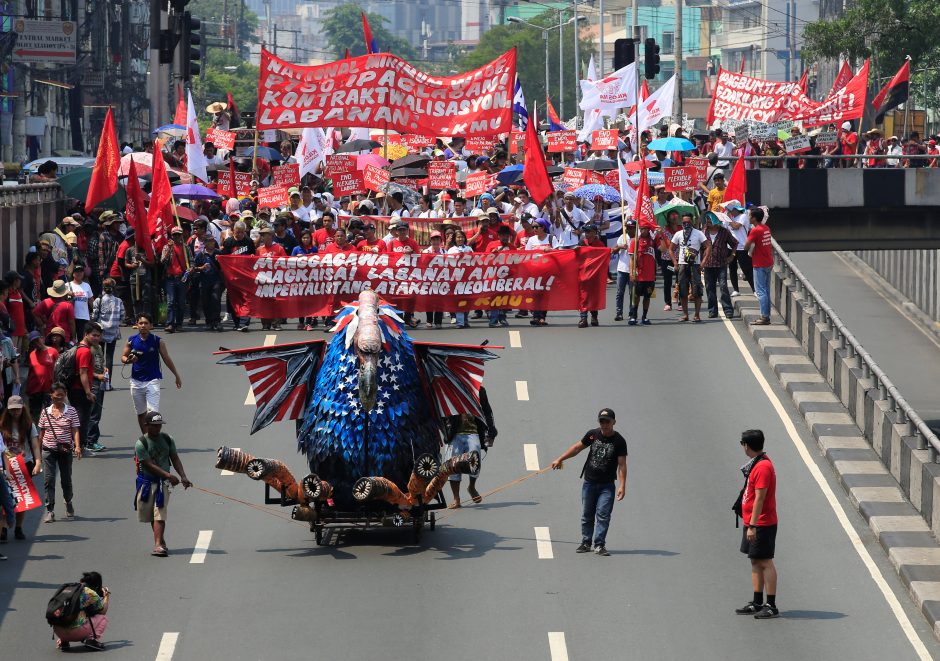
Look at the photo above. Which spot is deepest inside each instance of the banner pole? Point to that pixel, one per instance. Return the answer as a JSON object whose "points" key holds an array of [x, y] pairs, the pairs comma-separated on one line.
{"points": [[178, 224], [254, 157]]}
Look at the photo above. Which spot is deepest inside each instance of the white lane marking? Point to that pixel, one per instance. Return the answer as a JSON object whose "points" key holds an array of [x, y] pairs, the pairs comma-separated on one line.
{"points": [[543, 543], [522, 391], [230, 472], [269, 340], [515, 339], [167, 645], [201, 548], [531, 456], [837, 508], [557, 646]]}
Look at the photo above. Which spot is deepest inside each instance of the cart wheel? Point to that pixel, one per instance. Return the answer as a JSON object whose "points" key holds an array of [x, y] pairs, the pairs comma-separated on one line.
{"points": [[312, 486], [427, 466], [318, 535], [433, 520], [257, 469]]}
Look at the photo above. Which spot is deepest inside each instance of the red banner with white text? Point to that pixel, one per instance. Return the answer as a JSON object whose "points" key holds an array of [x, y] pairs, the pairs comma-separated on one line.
{"points": [[21, 484], [380, 90], [314, 285]]}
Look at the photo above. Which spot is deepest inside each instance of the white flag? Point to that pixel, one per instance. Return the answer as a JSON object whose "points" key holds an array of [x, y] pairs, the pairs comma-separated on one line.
{"points": [[658, 105], [593, 121], [627, 191], [591, 74], [618, 90], [315, 144], [195, 160], [359, 133]]}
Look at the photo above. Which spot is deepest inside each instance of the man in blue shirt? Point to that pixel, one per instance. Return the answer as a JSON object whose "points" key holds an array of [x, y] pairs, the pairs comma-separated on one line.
{"points": [[144, 352]]}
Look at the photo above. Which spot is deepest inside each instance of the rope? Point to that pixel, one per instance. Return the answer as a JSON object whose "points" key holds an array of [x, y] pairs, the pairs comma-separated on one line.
{"points": [[503, 487], [260, 508]]}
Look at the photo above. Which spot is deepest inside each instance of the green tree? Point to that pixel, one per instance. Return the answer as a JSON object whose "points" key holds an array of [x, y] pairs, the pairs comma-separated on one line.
{"points": [[342, 27], [530, 59], [231, 14], [226, 72]]}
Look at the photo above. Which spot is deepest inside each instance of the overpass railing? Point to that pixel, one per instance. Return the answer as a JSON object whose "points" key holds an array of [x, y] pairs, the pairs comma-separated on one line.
{"points": [[916, 427]]}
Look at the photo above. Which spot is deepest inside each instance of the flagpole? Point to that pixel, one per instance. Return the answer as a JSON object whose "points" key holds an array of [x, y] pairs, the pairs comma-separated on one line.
{"points": [[907, 105], [636, 125], [254, 154], [178, 224]]}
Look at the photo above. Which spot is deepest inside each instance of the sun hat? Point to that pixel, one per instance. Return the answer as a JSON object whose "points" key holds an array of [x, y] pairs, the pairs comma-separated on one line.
{"points": [[59, 289]]}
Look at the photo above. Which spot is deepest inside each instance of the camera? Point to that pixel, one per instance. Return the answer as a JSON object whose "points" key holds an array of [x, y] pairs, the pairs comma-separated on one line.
{"points": [[136, 354]]}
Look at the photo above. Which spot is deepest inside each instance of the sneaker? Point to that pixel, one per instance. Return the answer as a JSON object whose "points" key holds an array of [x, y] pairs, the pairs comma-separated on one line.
{"points": [[227, 318], [735, 292], [768, 612], [619, 317], [667, 308], [430, 326], [582, 323], [595, 322], [243, 329], [478, 314], [631, 321], [494, 324], [18, 533], [645, 321], [69, 511], [584, 548], [522, 314], [93, 644], [301, 326], [237, 328], [453, 320], [601, 550], [48, 517], [750, 608], [503, 323], [3, 535], [97, 447]]}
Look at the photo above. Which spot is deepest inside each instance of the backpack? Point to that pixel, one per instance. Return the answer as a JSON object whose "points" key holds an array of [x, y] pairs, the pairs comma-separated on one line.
{"points": [[738, 506], [64, 369], [65, 605]]}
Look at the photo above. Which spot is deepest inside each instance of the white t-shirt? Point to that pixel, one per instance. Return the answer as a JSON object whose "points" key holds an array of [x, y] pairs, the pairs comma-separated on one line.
{"points": [[740, 234], [529, 208], [81, 297], [457, 250], [696, 240], [535, 243], [623, 257], [301, 213], [564, 235], [430, 213]]}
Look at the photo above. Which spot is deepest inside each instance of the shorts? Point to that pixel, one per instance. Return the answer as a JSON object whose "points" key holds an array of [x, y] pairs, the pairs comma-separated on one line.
{"points": [[765, 544], [147, 510], [690, 278], [644, 289], [462, 443], [146, 395]]}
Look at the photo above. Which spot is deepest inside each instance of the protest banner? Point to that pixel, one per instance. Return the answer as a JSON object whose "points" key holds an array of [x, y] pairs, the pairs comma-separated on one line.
{"points": [[375, 177], [476, 184], [442, 175], [604, 139], [242, 182], [415, 142], [516, 142], [798, 144], [412, 182], [286, 175], [740, 134], [272, 196], [311, 285], [479, 144], [681, 178], [574, 177], [701, 169], [827, 139], [561, 141], [337, 164], [382, 90], [21, 484], [349, 183], [221, 139], [612, 179], [762, 131]]}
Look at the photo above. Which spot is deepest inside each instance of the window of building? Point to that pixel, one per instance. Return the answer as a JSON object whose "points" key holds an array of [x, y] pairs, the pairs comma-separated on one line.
{"points": [[618, 20], [668, 43]]}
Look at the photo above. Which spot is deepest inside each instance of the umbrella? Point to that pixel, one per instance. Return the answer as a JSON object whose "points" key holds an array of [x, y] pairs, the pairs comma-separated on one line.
{"points": [[175, 130], [408, 172], [509, 175], [265, 152], [675, 204], [590, 191], [74, 184], [597, 164], [185, 213], [555, 170], [393, 151], [365, 160], [143, 163], [194, 192], [358, 145], [636, 166], [671, 144], [66, 152], [410, 195], [654, 179], [412, 160]]}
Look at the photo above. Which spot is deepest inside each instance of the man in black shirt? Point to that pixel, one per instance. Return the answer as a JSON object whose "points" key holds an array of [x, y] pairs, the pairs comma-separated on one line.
{"points": [[606, 462]]}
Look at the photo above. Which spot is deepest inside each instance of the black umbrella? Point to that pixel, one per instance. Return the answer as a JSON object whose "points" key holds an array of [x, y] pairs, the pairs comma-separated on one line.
{"points": [[398, 173], [358, 145], [411, 160], [555, 170], [597, 164]]}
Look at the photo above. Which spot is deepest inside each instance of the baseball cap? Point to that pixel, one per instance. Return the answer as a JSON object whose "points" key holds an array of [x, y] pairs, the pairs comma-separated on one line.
{"points": [[33, 335], [607, 414], [846, 126], [176, 230], [435, 234], [15, 402], [154, 418]]}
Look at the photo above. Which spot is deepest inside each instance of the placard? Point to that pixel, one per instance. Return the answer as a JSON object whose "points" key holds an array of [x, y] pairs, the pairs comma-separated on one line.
{"points": [[21, 484], [242, 182], [442, 175], [416, 143], [574, 177], [375, 177], [337, 164], [701, 169], [348, 183], [412, 182], [272, 197], [740, 134], [827, 139], [762, 131], [286, 175], [681, 178], [798, 144], [221, 139], [562, 141], [479, 144], [476, 184], [604, 139], [516, 142]]}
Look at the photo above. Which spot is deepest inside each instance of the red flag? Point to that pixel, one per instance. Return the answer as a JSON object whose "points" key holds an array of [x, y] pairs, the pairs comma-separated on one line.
{"points": [[644, 91], [235, 119], [180, 116], [135, 212], [737, 183], [346, 57], [535, 172], [741, 69], [160, 212], [842, 79], [644, 215], [233, 189], [104, 177], [894, 93], [804, 82], [367, 34]]}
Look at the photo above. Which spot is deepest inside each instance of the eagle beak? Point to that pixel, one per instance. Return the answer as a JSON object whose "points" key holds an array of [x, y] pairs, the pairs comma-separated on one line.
{"points": [[368, 369]]}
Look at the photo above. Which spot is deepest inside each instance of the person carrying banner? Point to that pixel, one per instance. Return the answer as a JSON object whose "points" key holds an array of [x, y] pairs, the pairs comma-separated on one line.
{"points": [[19, 437]]}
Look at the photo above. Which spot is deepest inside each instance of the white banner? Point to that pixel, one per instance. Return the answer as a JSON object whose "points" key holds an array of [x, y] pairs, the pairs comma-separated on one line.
{"points": [[315, 145], [658, 105], [609, 94], [195, 160]]}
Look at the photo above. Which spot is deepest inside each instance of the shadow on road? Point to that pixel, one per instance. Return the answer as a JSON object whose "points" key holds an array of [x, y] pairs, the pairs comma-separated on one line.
{"points": [[812, 615]]}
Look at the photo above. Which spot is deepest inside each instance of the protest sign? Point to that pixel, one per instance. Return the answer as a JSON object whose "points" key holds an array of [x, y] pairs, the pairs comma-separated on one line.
{"points": [[442, 175], [604, 139], [827, 139], [348, 183], [374, 178], [340, 164], [740, 134], [221, 139], [479, 144], [701, 169], [272, 196], [416, 143], [21, 484], [798, 144], [681, 178], [516, 142], [561, 141], [762, 131], [476, 184], [286, 175], [242, 182], [574, 177]]}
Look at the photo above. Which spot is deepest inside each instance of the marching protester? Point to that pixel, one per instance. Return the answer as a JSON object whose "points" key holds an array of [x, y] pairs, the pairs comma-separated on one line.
{"points": [[19, 438], [715, 266], [762, 258], [686, 252], [59, 437], [143, 352]]}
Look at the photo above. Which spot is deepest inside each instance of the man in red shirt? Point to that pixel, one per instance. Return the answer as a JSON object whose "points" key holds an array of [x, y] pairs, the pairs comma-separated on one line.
{"points": [[487, 233], [759, 511], [268, 248], [82, 384], [643, 273], [340, 243], [177, 260], [504, 243], [39, 382], [56, 310], [324, 236], [370, 243], [402, 243], [590, 239], [760, 249]]}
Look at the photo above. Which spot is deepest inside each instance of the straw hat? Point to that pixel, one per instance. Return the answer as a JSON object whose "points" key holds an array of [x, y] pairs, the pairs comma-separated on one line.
{"points": [[218, 106], [59, 289]]}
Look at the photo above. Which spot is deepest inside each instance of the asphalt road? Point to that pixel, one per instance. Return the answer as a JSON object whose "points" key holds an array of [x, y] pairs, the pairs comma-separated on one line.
{"points": [[476, 587]]}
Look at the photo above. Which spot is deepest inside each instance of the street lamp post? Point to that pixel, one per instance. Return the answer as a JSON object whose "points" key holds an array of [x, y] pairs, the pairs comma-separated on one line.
{"points": [[545, 31]]}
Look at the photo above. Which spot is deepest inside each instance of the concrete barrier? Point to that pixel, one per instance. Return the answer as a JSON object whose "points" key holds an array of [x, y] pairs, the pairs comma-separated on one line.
{"points": [[914, 273], [25, 212]]}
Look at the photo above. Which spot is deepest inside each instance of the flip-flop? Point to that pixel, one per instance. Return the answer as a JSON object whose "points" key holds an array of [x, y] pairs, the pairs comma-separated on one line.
{"points": [[475, 496], [160, 552]]}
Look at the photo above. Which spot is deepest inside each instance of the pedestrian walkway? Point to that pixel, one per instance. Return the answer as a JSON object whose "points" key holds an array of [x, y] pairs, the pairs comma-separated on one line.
{"points": [[909, 355]]}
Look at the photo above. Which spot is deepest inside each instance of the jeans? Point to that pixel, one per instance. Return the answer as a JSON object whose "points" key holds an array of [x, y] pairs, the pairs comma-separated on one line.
{"points": [[762, 288], [461, 318], [597, 502], [109, 356], [94, 420], [60, 462], [666, 269], [211, 294], [623, 285], [436, 318], [716, 278], [175, 300], [744, 260], [497, 316], [7, 503]]}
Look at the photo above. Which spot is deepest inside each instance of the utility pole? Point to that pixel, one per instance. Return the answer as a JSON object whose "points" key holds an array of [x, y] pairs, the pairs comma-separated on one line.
{"points": [[635, 24], [577, 62], [789, 47], [561, 66], [603, 52], [677, 58]]}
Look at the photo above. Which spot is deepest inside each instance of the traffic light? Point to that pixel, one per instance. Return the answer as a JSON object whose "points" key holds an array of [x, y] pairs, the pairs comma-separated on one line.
{"points": [[650, 58], [190, 40], [166, 46], [624, 53]]}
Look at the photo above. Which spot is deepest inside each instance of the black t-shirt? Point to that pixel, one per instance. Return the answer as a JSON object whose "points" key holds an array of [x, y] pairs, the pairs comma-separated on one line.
{"points": [[233, 246], [603, 453]]}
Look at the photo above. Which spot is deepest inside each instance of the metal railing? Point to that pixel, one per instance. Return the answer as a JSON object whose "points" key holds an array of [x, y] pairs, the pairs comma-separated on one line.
{"points": [[926, 439]]}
